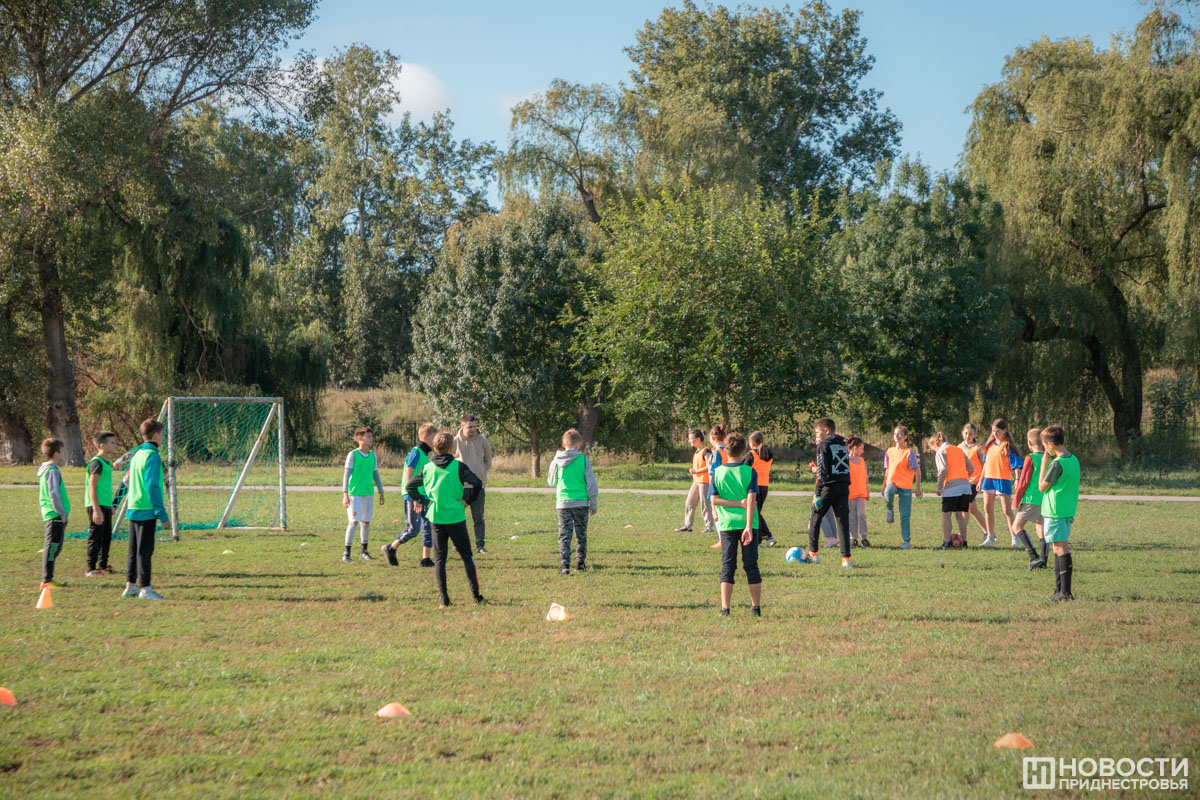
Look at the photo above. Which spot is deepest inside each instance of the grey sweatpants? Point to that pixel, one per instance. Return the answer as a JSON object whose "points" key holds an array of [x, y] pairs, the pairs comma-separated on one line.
{"points": [[572, 522], [858, 518]]}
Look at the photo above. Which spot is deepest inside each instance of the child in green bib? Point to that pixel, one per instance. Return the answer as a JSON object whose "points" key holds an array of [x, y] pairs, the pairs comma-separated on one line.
{"points": [[1059, 484], [359, 481], [575, 499], [735, 500], [98, 500], [55, 505], [445, 488]]}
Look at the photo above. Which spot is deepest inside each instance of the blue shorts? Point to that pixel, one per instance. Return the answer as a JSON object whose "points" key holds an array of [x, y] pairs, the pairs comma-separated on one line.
{"points": [[1058, 529], [996, 486]]}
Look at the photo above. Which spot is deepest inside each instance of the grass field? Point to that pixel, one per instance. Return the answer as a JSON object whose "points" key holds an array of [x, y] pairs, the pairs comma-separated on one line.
{"points": [[260, 677]]}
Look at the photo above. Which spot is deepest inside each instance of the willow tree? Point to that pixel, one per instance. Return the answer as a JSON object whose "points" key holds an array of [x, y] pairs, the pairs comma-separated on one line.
{"points": [[89, 93], [1093, 154]]}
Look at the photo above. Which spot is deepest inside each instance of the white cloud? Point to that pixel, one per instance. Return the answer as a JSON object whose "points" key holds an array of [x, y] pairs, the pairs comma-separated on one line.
{"points": [[421, 92]]}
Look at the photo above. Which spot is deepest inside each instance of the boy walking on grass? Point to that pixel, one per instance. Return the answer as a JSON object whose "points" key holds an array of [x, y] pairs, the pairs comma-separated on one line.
{"points": [[55, 505], [472, 448], [144, 511], [359, 481], [735, 499], [833, 489], [445, 488], [1059, 483], [698, 493], [575, 499], [1028, 499], [98, 504], [415, 521]]}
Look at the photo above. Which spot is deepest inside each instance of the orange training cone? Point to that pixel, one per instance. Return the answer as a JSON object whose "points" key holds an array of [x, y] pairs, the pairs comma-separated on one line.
{"points": [[6, 697], [1014, 741], [392, 711], [44, 599]]}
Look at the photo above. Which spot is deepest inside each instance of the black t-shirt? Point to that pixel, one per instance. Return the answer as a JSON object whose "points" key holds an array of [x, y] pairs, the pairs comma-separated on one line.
{"points": [[95, 467]]}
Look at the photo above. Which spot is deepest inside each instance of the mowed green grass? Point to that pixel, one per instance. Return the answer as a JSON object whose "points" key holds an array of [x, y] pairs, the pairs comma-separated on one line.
{"points": [[262, 674]]}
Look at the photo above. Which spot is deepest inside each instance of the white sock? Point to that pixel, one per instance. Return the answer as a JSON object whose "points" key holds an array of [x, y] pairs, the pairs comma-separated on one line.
{"points": [[350, 533], [364, 532]]}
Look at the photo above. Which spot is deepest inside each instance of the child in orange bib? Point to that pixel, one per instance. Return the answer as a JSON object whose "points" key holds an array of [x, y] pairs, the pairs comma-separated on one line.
{"points": [[1001, 463], [900, 470]]}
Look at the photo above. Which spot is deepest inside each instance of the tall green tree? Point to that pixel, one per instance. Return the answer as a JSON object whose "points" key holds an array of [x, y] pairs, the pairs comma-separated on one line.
{"points": [[87, 91], [378, 198], [1093, 155], [498, 320], [759, 98], [713, 307], [923, 327]]}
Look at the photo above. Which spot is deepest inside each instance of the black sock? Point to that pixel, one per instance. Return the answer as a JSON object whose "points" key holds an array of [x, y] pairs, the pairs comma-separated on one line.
{"points": [[364, 547], [1058, 573], [1045, 550], [1024, 539], [1069, 567]]}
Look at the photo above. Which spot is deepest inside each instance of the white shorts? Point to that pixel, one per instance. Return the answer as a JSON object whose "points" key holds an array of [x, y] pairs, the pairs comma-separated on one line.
{"points": [[362, 508]]}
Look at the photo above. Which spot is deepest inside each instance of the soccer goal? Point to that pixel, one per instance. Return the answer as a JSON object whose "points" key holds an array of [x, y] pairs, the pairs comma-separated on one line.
{"points": [[225, 463]]}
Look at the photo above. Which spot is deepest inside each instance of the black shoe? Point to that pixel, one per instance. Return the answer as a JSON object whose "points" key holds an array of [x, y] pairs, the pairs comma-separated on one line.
{"points": [[482, 550], [565, 571], [581, 567], [1037, 563], [346, 556], [756, 611], [389, 553], [445, 602], [943, 546], [866, 542], [480, 599], [724, 612], [426, 562]]}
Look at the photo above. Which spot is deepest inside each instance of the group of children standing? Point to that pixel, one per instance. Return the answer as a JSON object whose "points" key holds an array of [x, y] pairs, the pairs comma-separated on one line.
{"points": [[142, 487]]}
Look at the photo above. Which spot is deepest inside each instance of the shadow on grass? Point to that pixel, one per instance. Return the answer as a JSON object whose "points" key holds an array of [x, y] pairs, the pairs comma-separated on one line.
{"points": [[267, 574], [640, 604]]}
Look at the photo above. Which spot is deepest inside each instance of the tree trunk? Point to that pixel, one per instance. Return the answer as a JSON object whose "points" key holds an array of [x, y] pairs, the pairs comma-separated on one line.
{"points": [[14, 431], [587, 418], [62, 417], [1124, 393], [535, 454]]}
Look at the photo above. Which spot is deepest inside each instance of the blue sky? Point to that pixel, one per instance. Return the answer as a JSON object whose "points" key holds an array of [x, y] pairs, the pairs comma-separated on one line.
{"points": [[478, 58]]}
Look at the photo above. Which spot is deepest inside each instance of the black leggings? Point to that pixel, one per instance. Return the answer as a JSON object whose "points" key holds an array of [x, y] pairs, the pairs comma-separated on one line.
{"points": [[141, 551], [763, 527], [99, 538], [455, 532], [835, 497], [53, 546], [731, 541]]}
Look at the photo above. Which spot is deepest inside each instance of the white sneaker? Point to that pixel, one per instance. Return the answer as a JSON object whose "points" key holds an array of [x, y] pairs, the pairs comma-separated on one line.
{"points": [[131, 590], [988, 541], [906, 545], [1016, 542], [149, 594]]}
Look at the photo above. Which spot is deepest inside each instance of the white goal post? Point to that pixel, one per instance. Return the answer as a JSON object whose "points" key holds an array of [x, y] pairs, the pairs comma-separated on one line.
{"points": [[177, 455]]}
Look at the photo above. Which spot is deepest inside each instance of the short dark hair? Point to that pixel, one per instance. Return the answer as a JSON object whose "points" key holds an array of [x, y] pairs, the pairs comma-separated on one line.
{"points": [[468, 418], [149, 428], [695, 433], [826, 424], [51, 446], [358, 432], [735, 445], [443, 442], [1053, 434], [103, 436]]}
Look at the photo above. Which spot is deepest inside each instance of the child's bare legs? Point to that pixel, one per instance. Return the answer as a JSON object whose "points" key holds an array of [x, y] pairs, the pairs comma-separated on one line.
{"points": [[989, 509], [946, 525], [1006, 505], [978, 515], [726, 595], [755, 593], [962, 524]]}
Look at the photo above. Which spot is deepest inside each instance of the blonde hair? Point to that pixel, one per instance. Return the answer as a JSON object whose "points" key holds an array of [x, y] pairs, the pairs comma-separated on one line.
{"points": [[426, 429], [442, 443], [1033, 437], [572, 440]]}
